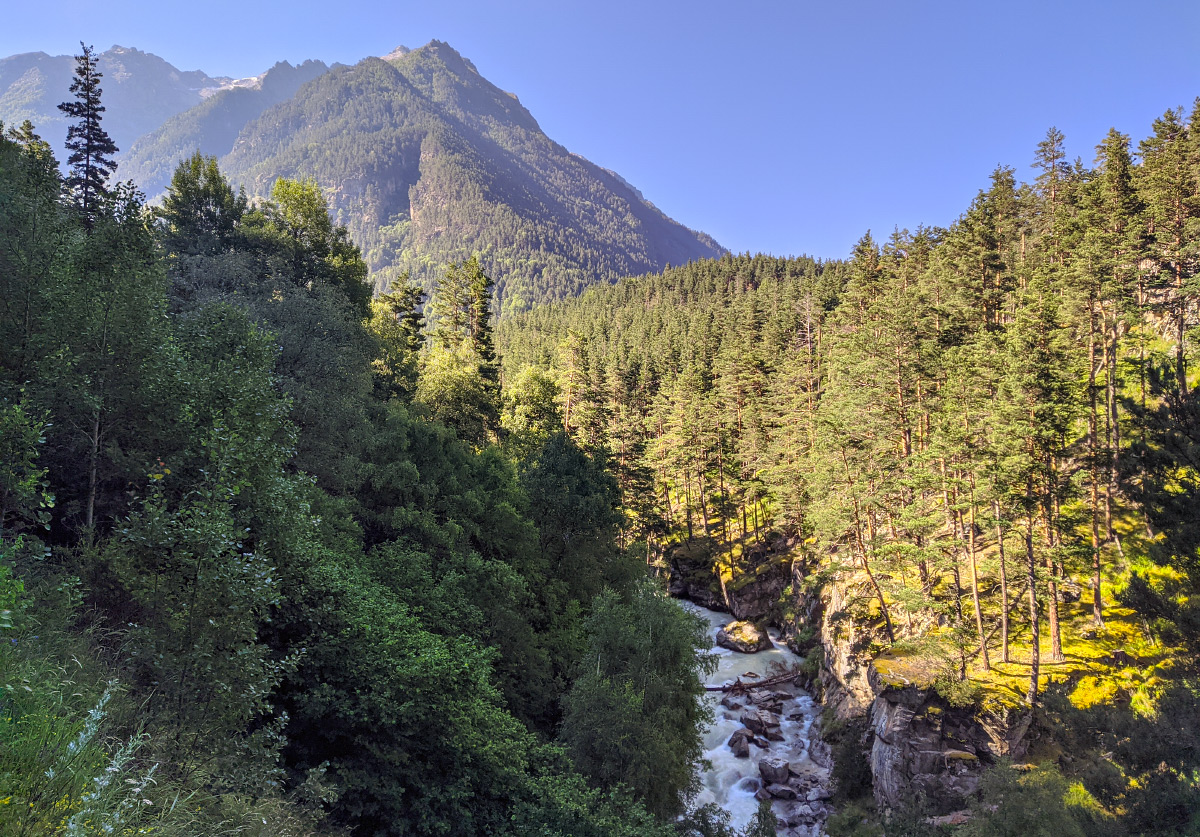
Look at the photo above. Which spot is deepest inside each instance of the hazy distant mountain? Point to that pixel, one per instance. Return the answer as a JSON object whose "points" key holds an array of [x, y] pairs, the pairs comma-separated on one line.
{"points": [[141, 91], [213, 126], [428, 162]]}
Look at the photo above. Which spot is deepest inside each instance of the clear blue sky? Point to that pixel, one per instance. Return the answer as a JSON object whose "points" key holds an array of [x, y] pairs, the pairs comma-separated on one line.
{"points": [[785, 127]]}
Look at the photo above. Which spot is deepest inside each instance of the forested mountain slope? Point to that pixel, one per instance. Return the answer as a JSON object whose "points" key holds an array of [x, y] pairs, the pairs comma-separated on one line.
{"points": [[210, 127], [426, 162], [976, 446], [141, 91]]}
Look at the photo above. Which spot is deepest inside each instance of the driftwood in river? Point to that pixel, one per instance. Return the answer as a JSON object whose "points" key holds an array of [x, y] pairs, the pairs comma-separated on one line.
{"points": [[738, 687]]}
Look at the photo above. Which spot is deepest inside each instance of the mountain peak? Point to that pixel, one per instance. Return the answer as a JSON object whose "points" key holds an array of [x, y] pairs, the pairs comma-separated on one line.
{"points": [[449, 55]]}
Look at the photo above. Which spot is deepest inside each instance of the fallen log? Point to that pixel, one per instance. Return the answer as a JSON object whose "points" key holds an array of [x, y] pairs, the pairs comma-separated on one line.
{"points": [[738, 687]]}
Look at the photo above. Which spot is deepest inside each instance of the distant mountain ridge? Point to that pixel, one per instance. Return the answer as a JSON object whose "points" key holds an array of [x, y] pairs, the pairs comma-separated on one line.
{"points": [[141, 91], [425, 160], [211, 127]]}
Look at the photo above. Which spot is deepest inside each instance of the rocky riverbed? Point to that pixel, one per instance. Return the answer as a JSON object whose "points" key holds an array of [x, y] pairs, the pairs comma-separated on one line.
{"points": [[763, 743]]}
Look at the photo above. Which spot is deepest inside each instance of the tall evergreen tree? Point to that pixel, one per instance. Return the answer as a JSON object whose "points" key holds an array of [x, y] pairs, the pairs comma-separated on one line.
{"points": [[91, 159]]}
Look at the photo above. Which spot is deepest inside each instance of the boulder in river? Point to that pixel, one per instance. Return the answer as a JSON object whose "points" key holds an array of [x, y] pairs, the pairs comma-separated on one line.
{"points": [[739, 743], [744, 637], [781, 791], [760, 721], [774, 771]]}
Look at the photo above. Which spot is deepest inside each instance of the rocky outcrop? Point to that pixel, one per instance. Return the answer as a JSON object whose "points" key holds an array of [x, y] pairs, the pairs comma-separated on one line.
{"points": [[744, 637], [925, 747], [763, 573], [826, 629], [739, 743], [919, 744], [774, 771]]}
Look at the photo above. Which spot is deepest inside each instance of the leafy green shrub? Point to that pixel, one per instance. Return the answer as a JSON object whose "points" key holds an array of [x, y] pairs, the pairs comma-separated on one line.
{"points": [[1034, 803], [851, 767]]}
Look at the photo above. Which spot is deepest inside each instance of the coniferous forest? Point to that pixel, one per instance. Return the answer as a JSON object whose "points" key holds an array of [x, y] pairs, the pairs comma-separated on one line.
{"points": [[985, 437], [284, 557]]}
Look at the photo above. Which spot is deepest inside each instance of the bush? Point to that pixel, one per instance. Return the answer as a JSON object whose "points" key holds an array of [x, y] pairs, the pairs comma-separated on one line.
{"points": [[851, 765]]}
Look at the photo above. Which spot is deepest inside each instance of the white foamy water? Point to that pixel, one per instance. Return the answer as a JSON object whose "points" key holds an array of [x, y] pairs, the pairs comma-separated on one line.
{"points": [[731, 782]]}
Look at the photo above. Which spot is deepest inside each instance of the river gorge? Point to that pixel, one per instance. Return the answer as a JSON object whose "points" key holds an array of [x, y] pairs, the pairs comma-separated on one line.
{"points": [[782, 756]]}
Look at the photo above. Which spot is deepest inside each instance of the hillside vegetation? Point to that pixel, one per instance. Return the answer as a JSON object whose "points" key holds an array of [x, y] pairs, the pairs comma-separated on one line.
{"points": [[250, 584], [210, 127], [141, 91], [989, 434]]}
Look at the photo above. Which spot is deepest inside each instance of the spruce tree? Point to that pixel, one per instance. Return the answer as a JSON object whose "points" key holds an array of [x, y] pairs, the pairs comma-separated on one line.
{"points": [[91, 158]]}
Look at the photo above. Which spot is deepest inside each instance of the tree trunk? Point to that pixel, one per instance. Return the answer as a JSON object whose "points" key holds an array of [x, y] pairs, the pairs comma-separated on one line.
{"points": [[1034, 618], [862, 552], [1003, 584], [1094, 476], [1056, 652], [983, 652], [93, 468]]}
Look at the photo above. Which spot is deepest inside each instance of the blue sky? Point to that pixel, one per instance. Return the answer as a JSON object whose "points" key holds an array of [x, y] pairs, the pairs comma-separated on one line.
{"points": [[781, 127]]}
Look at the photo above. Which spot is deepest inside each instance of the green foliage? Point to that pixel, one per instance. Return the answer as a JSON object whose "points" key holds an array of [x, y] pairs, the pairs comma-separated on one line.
{"points": [[1136, 758], [530, 411], [316, 599], [460, 379], [764, 822], [572, 501], [1033, 803], [91, 149], [25, 498], [632, 713], [453, 388], [410, 729], [397, 324], [201, 212], [299, 223], [856, 819], [1170, 447], [851, 759]]}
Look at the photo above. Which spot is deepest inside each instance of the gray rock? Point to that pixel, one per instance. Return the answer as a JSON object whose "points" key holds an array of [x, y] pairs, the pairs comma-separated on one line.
{"points": [[744, 637], [740, 745], [759, 721], [781, 791], [774, 771], [801, 815]]}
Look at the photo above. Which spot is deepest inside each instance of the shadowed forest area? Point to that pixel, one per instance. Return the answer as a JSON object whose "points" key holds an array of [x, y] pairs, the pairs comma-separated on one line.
{"points": [[254, 582]]}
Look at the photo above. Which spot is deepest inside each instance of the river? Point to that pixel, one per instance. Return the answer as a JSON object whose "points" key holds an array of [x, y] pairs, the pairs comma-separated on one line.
{"points": [[732, 782]]}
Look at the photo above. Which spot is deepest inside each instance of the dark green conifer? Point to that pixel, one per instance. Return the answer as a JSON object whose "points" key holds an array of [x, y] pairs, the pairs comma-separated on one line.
{"points": [[91, 158]]}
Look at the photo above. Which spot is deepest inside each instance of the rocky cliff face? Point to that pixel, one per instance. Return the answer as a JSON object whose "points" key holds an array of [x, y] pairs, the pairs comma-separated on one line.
{"points": [[920, 746], [924, 747], [753, 595]]}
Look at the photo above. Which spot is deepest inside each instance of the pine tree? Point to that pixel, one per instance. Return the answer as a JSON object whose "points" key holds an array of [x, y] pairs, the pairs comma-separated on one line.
{"points": [[91, 159], [1167, 183]]}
